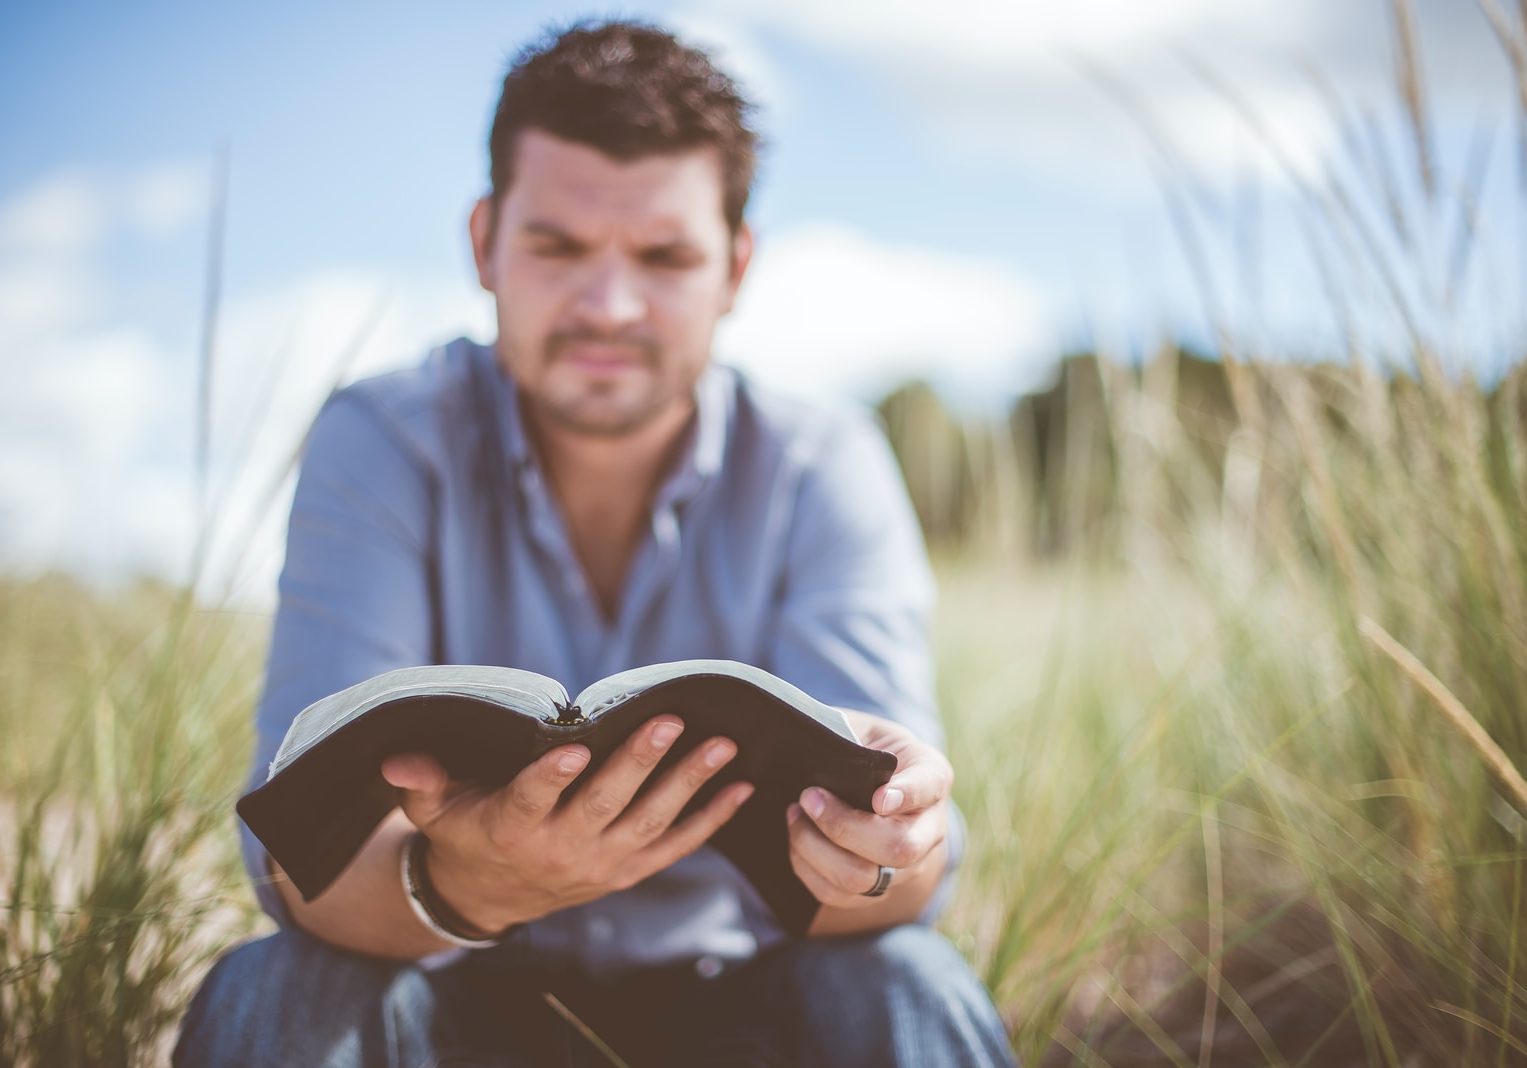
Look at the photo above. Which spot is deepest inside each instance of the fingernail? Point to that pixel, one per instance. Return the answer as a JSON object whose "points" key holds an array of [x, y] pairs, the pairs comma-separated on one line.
{"points": [[389, 770], [718, 753], [572, 761], [664, 734], [792, 814], [814, 801], [743, 792], [891, 801]]}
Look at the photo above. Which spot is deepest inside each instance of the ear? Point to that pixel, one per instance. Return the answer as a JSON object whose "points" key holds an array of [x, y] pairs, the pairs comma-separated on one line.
{"points": [[480, 227], [742, 255]]}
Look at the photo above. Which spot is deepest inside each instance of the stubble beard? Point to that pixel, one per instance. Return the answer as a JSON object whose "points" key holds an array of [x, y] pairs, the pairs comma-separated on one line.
{"points": [[593, 408]]}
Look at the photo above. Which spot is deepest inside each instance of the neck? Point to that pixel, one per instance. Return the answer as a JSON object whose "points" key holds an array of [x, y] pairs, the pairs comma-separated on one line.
{"points": [[629, 466]]}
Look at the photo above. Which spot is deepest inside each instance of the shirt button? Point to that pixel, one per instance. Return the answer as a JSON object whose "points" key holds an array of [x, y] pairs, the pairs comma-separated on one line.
{"points": [[666, 525], [601, 928], [708, 967]]}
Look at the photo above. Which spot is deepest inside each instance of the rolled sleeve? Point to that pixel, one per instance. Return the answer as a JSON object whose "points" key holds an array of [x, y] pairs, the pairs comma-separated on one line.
{"points": [[857, 593], [355, 590], [857, 598]]}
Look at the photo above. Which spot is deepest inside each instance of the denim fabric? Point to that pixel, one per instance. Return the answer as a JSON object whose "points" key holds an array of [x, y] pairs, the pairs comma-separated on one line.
{"points": [[901, 997]]}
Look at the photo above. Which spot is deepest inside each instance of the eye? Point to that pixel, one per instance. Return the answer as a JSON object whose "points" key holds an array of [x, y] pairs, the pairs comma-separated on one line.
{"points": [[675, 257], [555, 250]]}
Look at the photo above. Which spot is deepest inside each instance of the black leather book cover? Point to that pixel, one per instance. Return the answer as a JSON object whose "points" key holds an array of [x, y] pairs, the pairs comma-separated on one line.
{"points": [[318, 809]]}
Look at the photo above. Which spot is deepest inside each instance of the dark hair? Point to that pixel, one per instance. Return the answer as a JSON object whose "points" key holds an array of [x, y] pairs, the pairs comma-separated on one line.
{"points": [[628, 89]]}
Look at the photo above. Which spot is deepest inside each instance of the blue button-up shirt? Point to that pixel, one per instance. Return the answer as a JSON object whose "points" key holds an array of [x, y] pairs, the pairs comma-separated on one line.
{"points": [[423, 532]]}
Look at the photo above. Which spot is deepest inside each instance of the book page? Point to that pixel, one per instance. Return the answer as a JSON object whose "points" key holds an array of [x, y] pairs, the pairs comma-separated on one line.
{"points": [[524, 691], [616, 688]]}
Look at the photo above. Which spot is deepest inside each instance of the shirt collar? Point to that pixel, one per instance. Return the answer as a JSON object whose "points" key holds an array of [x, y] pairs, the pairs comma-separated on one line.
{"points": [[704, 447]]}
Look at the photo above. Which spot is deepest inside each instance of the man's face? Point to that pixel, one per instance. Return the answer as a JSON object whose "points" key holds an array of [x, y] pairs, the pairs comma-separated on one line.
{"points": [[609, 279]]}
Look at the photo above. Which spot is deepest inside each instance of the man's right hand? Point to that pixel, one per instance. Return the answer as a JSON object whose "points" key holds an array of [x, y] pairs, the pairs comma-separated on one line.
{"points": [[524, 851]]}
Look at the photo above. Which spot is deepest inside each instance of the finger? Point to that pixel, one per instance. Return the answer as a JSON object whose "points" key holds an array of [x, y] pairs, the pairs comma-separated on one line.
{"points": [[645, 820], [923, 778], [525, 800], [606, 795], [820, 886], [898, 841], [685, 837], [423, 784], [414, 771], [847, 872]]}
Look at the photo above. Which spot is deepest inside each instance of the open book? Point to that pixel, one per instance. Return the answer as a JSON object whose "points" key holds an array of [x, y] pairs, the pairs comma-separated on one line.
{"points": [[325, 793]]}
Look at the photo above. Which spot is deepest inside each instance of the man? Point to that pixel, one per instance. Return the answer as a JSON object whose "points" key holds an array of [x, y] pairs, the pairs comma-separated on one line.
{"points": [[587, 495]]}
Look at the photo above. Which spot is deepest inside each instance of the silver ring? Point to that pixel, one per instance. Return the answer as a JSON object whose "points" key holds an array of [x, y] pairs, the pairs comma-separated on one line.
{"points": [[882, 881]]}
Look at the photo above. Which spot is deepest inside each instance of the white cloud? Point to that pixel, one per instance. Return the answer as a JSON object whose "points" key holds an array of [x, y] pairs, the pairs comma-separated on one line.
{"points": [[167, 197], [99, 393], [966, 34], [61, 215], [1001, 79], [280, 351], [1211, 138], [52, 231], [734, 50], [82, 484], [829, 309], [66, 214], [40, 295], [97, 421]]}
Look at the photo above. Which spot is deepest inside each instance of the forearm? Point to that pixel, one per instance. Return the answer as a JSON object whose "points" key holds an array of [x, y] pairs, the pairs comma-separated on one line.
{"points": [[366, 909], [510, 856], [904, 902]]}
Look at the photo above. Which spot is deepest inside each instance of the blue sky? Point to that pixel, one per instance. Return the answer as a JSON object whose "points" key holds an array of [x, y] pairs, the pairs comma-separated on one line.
{"points": [[944, 196], [357, 136]]}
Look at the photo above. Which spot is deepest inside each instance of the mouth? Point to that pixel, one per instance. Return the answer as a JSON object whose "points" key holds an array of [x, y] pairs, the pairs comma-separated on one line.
{"points": [[598, 357]]}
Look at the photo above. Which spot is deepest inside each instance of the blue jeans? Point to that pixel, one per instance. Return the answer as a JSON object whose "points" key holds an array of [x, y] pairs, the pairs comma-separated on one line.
{"points": [[901, 997]]}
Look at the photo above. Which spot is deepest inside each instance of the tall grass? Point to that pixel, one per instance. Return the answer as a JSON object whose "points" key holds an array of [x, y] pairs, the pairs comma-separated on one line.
{"points": [[1250, 800], [1252, 793], [126, 727]]}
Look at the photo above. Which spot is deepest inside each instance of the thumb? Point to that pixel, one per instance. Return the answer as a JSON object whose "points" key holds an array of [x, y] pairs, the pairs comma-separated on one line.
{"points": [[922, 779], [423, 785]]}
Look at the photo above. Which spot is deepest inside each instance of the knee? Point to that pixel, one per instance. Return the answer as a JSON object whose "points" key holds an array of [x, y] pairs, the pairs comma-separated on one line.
{"points": [[291, 972], [912, 960], [292, 996], [908, 987]]}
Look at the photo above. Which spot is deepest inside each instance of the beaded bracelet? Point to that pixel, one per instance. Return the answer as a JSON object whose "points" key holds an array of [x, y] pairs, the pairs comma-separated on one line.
{"points": [[431, 909]]}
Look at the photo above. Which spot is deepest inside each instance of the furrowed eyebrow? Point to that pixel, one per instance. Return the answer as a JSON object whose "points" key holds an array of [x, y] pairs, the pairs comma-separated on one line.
{"points": [[678, 244], [537, 228]]}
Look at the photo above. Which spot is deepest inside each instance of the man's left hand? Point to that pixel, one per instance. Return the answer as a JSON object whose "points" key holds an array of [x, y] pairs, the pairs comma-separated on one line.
{"points": [[837, 850]]}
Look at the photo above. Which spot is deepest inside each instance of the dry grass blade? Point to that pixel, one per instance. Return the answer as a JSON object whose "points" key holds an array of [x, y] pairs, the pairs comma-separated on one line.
{"points": [[1483, 1024], [584, 1029], [211, 298], [1169, 165], [1412, 91], [1214, 869], [1494, 757], [1466, 227], [1338, 206], [1513, 38], [240, 540]]}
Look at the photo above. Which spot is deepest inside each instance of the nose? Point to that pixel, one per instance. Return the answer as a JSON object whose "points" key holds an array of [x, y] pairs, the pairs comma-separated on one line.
{"points": [[611, 296]]}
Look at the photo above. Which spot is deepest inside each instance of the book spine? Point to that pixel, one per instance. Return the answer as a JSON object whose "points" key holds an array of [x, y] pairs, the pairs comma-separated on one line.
{"points": [[569, 716]]}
